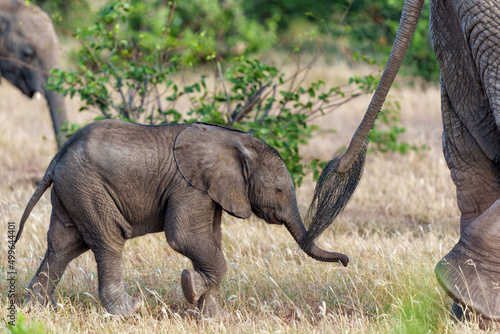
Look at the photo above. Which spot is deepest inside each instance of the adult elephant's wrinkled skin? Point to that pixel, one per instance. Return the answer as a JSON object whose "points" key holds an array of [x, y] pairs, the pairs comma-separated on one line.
{"points": [[466, 40]]}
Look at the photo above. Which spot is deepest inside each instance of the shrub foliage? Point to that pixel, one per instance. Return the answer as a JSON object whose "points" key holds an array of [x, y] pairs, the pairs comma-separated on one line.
{"points": [[128, 73]]}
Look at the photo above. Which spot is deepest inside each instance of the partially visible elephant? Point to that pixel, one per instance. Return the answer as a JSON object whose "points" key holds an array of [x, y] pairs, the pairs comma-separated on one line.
{"points": [[466, 39], [29, 49]]}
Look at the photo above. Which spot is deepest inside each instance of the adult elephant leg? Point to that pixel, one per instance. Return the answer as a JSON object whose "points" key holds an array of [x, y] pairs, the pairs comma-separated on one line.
{"points": [[475, 175], [477, 180], [197, 235], [471, 141], [65, 243], [470, 272], [465, 50]]}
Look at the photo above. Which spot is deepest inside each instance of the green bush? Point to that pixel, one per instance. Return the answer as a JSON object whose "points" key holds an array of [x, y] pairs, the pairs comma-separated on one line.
{"points": [[386, 131], [367, 27], [228, 28], [194, 30], [373, 27], [22, 327]]}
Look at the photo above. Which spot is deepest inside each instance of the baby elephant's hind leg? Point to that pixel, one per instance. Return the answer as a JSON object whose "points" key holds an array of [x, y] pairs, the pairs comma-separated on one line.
{"points": [[64, 243]]}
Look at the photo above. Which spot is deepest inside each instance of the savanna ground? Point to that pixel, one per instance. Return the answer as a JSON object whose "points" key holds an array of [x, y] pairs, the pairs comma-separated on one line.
{"points": [[402, 219]]}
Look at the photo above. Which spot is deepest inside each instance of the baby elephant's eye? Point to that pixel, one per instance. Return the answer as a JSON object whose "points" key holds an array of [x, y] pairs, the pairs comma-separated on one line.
{"points": [[279, 190], [28, 54]]}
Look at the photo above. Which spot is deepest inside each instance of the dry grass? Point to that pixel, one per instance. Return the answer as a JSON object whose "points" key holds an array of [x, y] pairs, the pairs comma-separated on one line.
{"points": [[401, 221]]}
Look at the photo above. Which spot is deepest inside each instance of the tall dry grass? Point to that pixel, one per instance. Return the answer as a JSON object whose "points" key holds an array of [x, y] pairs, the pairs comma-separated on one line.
{"points": [[402, 220]]}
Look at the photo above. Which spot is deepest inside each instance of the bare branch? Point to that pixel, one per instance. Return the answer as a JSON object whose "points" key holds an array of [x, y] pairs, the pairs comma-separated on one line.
{"points": [[158, 100], [152, 115], [224, 87], [247, 108], [131, 95], [14, 60], [330, 107], [119, 85], [146, 82], [266, 112]]}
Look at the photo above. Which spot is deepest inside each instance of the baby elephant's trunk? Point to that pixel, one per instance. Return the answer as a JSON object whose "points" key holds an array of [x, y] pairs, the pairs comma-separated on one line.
{"points": [[299, 233]]}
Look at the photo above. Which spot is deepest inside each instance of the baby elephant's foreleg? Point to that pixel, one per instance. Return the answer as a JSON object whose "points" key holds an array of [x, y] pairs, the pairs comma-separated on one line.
{"points": [[200, 241]]}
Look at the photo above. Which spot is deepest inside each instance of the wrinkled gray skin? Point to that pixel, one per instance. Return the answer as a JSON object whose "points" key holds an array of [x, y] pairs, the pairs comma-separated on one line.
{"points": [[113, 181], [29, 49], [466, 39]]}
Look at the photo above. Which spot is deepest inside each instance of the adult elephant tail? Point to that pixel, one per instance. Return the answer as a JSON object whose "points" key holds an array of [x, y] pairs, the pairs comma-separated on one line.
{"points": [[341, 176], [407, 26]]}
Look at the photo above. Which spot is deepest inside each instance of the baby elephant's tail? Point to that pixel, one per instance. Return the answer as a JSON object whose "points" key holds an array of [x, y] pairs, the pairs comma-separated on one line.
{"points": [[44, 185]]}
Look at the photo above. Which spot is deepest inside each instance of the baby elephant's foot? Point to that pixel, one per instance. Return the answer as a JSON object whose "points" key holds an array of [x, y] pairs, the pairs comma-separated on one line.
{"points": [[128, 306], [210, 307], [193, 285]]}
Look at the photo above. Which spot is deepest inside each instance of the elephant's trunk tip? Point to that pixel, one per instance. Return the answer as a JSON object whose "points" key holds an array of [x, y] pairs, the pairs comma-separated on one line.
{"points": [[344, 260], [321, 255]]}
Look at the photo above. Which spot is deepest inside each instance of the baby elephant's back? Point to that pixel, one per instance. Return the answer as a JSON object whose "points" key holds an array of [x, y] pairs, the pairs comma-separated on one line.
{"points": [[130, 163], [120, 149]]}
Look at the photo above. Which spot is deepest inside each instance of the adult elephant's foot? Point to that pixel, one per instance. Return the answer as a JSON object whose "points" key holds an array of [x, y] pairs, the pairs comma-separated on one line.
{"points": [[462, 313], [125, 306], [470, 272]]}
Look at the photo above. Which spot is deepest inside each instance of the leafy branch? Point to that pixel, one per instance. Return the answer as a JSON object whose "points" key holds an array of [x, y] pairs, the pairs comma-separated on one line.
{"points": [[130, 76]]}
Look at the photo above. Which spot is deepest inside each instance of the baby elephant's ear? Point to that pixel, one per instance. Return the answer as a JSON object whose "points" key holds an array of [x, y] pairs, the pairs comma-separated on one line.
{"points": [[214, 159]]}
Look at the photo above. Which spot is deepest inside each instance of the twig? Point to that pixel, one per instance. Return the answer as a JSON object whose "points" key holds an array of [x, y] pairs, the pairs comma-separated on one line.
{"points": [[266, 112], [348, 7], [152, 113], [247, 108], [131, 95], [331, 108], [145, 91], [171, 16], [119, 87], [224, 87], [159, 105], [295, 76], [14, 60]]}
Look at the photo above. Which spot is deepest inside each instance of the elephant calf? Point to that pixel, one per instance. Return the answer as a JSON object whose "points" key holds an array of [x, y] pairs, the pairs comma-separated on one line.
{"points": [[114, 181]]}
